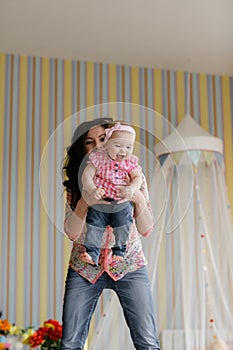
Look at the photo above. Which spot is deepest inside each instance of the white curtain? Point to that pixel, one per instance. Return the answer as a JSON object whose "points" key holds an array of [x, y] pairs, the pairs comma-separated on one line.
{"points": [[194, 261]]}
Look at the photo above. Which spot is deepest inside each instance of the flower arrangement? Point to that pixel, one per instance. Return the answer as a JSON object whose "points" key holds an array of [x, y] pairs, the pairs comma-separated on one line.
{"points": [[46, 337], [5, 327], [10, 335]]}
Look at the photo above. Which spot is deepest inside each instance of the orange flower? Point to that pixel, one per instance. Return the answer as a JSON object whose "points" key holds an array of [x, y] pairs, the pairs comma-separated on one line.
{"points": [[5, 326]]}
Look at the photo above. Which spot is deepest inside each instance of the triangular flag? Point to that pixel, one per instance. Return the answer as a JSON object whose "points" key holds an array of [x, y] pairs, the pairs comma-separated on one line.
{"points": [[176, 157], [162, 159], [194, 155], [208, 156]]}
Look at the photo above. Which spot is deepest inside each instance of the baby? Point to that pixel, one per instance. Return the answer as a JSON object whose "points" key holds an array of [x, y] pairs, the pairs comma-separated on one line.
{"points": [[108, 167]]}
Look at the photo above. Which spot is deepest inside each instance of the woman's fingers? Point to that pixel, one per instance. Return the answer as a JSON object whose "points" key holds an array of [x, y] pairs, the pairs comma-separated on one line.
{"points": [[120, 190], [125, 191], [91, 199]]}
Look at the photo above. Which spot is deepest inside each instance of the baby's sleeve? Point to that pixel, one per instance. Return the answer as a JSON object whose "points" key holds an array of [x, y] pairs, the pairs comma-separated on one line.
{"points": [[133, 164]]}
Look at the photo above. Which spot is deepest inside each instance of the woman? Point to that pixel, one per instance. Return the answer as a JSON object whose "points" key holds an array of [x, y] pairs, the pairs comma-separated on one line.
{"points": [[85, 282]]}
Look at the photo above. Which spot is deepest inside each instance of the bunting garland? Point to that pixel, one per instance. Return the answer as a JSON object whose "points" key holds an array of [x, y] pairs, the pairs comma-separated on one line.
{"points": [[196, 157], [208, 156]]}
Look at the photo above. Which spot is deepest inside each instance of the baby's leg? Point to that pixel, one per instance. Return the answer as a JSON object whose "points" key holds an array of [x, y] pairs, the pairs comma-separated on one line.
{"points": [[121, 223], [95, 229]]}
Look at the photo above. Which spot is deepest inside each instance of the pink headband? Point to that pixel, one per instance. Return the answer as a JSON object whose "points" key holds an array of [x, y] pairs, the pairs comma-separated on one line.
{"points": [[118, 127]]}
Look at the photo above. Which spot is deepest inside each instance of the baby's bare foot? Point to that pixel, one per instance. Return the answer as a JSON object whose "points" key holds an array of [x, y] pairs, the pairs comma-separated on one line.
{"points": [[86, 258], [117, 258]]}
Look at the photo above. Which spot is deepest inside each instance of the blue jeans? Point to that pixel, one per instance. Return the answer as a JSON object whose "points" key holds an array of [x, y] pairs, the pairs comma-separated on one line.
{"points": [[134, 293], [99, 216]]}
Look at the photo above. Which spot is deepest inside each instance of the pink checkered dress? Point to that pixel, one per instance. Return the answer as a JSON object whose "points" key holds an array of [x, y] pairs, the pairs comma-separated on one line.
{"points": [[110, 173]]}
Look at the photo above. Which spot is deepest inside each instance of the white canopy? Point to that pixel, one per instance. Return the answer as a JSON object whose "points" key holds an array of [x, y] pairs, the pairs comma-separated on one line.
{"points": [[194, 260], [188, 136]]}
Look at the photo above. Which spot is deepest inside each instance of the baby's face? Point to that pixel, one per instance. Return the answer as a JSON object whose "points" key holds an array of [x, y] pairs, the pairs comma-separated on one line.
{"points": [[120, 145]]}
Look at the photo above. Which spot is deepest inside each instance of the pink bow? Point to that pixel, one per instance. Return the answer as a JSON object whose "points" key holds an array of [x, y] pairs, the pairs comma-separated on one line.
{"points": [[118, 127]]}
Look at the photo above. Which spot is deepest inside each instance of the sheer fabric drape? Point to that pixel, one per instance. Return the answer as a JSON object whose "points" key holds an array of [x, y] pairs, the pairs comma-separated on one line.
{"points": [[193, 263]]}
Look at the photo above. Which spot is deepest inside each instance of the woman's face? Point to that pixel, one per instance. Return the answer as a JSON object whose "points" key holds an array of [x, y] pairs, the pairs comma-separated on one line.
{"points": [[95, 138]]}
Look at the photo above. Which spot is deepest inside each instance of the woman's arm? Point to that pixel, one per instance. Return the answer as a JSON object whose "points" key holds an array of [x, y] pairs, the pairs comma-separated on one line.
{"points": [[135, 180], [88, 178], [143, 215], [75, 220]]}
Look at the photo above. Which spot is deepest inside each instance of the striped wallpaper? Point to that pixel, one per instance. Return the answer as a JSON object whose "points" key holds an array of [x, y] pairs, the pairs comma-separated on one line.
{"points": [[36, 95]]}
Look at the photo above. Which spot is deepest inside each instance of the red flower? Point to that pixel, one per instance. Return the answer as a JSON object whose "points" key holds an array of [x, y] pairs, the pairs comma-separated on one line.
{"points": [[50, 332], [56, 333], [38, 337], [53, 322]]}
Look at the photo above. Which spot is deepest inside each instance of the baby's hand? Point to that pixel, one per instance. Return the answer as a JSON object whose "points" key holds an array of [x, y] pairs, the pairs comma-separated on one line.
{"points": [[98, 193]]}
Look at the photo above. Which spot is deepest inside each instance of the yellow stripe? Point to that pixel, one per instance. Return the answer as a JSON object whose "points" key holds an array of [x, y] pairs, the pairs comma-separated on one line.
{"points": [[226, 98], [54, 199], [158, 104], [32, 189], [203, 101], [158, 90], [180, 93], [2, 98], [112, 83], [90, 85], [67, 88], [43, 215], [22, 149], [12, 72], [135, 110], [135, 84]]}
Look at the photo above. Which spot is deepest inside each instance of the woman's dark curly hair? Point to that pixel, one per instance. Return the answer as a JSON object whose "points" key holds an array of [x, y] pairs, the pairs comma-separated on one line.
{"points": [[74, 162]]}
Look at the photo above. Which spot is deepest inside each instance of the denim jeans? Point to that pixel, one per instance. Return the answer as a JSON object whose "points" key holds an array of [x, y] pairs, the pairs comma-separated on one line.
{"points": [[118, 216], [133, 291]]}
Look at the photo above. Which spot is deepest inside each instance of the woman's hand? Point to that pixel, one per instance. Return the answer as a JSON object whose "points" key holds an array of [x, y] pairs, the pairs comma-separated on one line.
{"points": [[125, 193], [138, 198], [143, 216], [94, 198]]}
